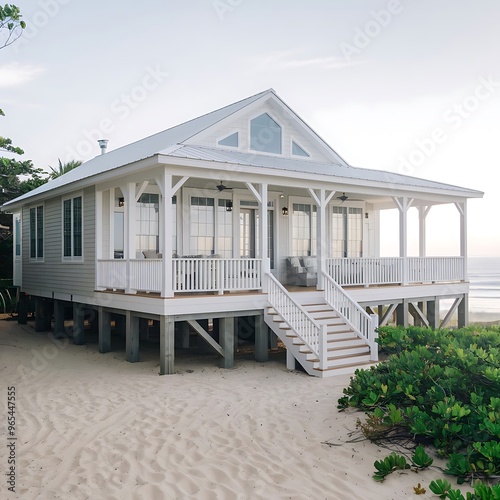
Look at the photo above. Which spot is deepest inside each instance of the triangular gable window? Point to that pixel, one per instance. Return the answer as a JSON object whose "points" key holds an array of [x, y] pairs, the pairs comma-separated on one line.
{"points": [[298, 151], [230, 140], [265, 135]]}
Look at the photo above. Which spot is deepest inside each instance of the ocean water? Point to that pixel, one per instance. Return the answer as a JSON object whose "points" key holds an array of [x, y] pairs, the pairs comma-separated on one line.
{"points": [[484, 295]]}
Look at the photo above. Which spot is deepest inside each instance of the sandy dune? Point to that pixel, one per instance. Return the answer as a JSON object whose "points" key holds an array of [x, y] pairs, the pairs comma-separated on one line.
{"points": [[94, 426]]}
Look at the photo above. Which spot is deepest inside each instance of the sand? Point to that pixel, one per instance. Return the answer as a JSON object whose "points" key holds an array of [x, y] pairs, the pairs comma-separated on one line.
{"points": [[91, 425]]}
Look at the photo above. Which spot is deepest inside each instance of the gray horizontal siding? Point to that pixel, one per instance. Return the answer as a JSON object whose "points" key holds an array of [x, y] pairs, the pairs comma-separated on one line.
{"points": [[54, 275]]}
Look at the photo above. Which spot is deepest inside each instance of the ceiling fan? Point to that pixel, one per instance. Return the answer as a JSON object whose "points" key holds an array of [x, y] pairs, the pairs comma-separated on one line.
{"points": [[221, 187], [344, 197]]}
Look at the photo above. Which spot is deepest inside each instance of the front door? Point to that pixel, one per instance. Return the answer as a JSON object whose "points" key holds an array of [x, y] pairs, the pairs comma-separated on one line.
{"points": [[249, 233]]}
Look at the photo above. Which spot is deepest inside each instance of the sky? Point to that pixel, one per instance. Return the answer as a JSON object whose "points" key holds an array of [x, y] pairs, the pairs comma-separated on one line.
{"points": [[410, 86]]}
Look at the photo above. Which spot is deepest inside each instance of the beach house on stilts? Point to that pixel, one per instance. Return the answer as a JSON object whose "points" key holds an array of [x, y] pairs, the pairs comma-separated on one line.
{"points": [[244, 212]]}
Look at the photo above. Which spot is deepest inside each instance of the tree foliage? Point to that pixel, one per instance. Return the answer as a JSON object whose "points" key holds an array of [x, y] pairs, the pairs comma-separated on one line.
{"points": [[11, 24], [16, 176], [63, 168]]}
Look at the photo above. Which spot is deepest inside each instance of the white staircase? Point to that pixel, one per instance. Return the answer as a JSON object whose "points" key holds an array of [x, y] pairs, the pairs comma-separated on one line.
{"points": [[345, 351], [323, 341]]}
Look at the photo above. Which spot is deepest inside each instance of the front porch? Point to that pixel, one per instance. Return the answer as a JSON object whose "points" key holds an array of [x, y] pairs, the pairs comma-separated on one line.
{"points": [[218, 275]]}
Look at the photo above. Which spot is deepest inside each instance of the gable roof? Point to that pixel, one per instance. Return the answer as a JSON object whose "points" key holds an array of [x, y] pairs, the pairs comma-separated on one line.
{"points": [[170, 143], [143, 148]]}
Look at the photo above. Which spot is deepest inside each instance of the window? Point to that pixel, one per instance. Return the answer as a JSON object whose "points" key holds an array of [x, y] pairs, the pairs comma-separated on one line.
{"points": [[304, 228], [231, 141], [36, 233], [148, 222], [202, 226], [265, 135], [347, 232], [72, 229], [298, 151], [211, 227]]}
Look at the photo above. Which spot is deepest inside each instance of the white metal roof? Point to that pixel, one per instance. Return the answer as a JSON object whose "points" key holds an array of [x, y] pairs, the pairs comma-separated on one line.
{"points": [[144, 148], [169, 143], [306, 166]]}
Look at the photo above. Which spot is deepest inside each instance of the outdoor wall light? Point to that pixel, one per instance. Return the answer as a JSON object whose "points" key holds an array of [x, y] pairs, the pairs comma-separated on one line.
{"points": [[121, 202], [229, 206], [366, 215], [284, 210]]}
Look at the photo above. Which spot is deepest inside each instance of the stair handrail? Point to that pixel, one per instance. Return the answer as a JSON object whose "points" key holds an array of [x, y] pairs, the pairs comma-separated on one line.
{"points": [[298, 319], [363, 324]]}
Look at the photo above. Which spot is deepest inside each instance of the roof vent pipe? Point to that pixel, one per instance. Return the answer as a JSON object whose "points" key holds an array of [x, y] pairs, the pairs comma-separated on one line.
{"points": [[103, 144]]}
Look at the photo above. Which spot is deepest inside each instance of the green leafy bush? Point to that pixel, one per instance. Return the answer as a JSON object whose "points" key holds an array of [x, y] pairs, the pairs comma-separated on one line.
{"points": [[438, 387]]}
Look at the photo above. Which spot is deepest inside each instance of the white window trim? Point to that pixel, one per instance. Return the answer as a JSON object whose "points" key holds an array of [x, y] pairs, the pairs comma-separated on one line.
{"points": [[36, 259], [264, 153], [72, 259]]}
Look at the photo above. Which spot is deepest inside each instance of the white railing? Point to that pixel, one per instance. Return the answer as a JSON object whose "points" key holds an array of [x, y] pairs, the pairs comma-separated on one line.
{"points": [[216, 275], [363, 324], [112, 273], [145, 274], [391, 270], [430, 269], [300, 321], [365, 271], [188, 274]]}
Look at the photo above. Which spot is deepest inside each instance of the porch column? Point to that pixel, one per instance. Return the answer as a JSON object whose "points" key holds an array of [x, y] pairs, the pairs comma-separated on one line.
{"points": [[130, 229], [111, 221], [40, 314], [463, 311], [403, 204], [422, 242], [433, 313], [166, 220], [261, 339], [22, 317], [402, 313], [59, 319], [321, 240], [266, 265], [167, 324], [98, 225], [78, 324], [104, 330], [322, 198], [462, 210], [226, 341], [131, 337]]}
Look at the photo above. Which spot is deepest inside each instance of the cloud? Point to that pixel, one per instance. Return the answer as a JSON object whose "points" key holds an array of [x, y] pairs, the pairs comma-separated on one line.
{"points": [[290, 60], [14, 74]]}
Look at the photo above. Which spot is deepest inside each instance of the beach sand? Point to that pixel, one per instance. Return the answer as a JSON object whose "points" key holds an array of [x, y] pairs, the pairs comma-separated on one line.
{"points": [[91, 425]]}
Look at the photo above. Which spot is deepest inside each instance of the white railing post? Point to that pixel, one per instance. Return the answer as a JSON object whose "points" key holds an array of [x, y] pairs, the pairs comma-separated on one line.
{"points": [[323, 347], [374, 336]]}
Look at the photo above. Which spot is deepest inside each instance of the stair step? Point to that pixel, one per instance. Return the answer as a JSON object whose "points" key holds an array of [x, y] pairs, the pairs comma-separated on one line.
{"points": [[322, 315], [347, 352], [347, 358], [317, 308], [355, 359], [332, 371], [340, 343]]}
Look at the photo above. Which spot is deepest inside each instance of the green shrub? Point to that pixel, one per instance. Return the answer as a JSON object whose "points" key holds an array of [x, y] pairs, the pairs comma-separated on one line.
{"points": [[439, 387]]}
